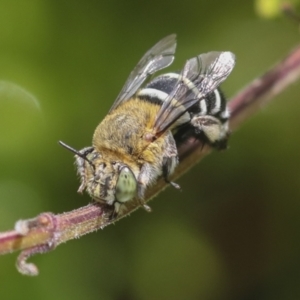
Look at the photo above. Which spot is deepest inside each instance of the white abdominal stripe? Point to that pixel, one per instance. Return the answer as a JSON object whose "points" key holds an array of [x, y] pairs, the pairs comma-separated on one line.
{"points": [[150, 93]]}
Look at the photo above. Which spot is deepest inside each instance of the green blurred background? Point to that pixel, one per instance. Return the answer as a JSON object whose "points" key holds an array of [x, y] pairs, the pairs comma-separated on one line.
{"points": [[233, 233]]}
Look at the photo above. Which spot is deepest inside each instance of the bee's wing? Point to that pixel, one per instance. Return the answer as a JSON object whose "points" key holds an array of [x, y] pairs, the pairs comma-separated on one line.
{"points": [[200, 76], [160, 56]]}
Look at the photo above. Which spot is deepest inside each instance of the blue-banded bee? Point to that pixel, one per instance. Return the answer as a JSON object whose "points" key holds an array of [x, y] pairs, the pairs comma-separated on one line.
{"points": [[134, 145]]}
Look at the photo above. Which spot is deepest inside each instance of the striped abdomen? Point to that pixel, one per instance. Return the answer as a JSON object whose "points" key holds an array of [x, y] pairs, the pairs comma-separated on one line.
{"points": [[214, 105]]}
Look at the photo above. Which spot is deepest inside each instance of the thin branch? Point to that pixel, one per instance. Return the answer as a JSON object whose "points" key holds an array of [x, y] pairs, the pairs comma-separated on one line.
{"points": [[46, 231]]}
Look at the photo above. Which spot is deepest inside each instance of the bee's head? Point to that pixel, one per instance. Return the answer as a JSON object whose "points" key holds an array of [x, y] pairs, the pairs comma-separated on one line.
{"points": [[105, 179], [110, 181]]}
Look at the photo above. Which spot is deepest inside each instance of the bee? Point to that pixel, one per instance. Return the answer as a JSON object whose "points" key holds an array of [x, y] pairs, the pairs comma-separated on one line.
{"points": [[136, 143]]}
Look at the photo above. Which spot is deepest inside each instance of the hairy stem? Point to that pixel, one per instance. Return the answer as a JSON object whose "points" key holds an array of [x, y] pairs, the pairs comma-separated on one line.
{"points": [[46, 231]]}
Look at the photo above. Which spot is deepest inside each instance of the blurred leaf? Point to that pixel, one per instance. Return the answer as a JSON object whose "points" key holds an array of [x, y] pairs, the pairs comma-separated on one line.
{"points": [[20, 117]]}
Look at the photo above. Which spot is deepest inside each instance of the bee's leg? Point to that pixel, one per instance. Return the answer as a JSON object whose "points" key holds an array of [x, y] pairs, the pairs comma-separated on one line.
{"points": [[214, 131], [81, 167], [168, 166], [116, 210], [143, 181], [146, 207], [81, 172], [141, 192], [170, 160]]}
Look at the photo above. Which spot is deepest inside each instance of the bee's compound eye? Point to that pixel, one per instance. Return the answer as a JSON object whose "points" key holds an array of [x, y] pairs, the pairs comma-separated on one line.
{"points": [[126, 185]]}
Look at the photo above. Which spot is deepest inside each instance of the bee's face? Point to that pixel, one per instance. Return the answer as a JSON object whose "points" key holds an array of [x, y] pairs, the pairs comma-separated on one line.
{"points": [[106, 180]]}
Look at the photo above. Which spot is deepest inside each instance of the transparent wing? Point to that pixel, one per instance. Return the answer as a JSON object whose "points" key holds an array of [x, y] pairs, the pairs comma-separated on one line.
{"points": [[200, 76], [158, 57]]}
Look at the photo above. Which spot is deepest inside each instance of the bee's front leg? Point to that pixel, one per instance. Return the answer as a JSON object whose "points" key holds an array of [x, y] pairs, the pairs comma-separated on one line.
{"points": [[144, 179], [141, 192], [170, 160], [168, 166], [81, 167]]}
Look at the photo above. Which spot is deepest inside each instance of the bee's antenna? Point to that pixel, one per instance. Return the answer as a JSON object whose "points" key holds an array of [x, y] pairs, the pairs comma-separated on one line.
{"points": [[83, 156]]}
